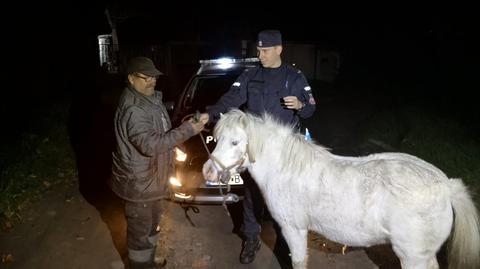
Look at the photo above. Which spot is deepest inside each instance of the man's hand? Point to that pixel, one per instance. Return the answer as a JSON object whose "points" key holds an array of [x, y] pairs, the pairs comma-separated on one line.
{"points": [[204, 117], [292, 102], [199, 125]]}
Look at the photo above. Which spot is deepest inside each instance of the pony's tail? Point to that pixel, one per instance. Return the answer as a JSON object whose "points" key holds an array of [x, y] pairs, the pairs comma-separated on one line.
{"points": [[464, 245]]}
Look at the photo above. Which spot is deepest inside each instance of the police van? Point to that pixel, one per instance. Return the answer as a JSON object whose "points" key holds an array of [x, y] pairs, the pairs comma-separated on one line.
{"points": [[207, 85]]}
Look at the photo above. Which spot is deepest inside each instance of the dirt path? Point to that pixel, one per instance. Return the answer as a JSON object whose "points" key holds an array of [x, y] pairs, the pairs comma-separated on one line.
{"points": [[61, 231], [66, 231]]}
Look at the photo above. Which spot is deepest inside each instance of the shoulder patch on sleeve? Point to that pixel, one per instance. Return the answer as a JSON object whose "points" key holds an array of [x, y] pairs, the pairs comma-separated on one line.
{"points": [[311, 100], [307, 88], [236, 84]]}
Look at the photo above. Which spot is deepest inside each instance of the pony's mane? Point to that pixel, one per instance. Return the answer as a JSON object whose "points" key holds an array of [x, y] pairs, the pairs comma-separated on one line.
{"points": [[296, 151]]}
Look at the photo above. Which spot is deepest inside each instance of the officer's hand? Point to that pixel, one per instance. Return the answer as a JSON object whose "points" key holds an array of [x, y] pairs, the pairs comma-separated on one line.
{"points": [[292, 102]]}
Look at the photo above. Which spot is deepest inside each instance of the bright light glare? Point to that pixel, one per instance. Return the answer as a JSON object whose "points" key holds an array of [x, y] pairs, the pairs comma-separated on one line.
{"points": [[225, 63], [180, 155], [224, 60], [182, 195], [175, 182]]}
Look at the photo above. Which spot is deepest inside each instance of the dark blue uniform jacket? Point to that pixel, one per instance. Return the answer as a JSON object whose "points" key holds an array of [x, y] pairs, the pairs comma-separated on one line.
{"points": [[261, 89]]}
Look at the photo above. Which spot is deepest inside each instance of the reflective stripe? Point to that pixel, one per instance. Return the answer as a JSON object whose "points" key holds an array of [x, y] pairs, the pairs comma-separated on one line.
{"points": [[311, 100], [236, 84], [307, 88], [144, 255]]}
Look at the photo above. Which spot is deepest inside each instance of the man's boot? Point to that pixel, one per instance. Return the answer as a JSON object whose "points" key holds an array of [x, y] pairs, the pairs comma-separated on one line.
{"points": [[146, 265], [249, 250], [153, 262], [136, 265]]}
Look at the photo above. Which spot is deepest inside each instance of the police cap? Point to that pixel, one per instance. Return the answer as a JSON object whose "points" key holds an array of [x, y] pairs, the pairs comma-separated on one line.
{"points": [[269, 38]]}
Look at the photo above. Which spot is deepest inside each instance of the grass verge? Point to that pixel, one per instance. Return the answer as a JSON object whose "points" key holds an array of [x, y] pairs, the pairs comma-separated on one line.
{"points": [[439, 139], [43, 158]]}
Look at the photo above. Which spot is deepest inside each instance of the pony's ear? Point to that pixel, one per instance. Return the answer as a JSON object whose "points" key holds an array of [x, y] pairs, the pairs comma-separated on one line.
{"points": [[221, 115]]}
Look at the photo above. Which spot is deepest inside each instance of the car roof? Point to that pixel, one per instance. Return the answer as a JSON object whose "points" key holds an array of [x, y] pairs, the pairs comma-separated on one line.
{"points": [[226, 65]]}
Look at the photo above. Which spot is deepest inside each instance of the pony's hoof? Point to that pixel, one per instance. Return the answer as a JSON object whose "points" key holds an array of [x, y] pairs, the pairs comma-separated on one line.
{"points": [[250, 248]]}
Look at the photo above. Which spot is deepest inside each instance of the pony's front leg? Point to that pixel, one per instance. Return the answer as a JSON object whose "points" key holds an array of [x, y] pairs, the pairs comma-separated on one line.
{"points": [[297, 242]]}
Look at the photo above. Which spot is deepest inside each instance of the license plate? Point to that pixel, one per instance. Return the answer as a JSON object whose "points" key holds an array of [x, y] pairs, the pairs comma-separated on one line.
{"points": [[235, 179]]}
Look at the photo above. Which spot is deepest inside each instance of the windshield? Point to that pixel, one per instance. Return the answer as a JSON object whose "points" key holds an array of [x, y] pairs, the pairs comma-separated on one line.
{"points": [[206, 90]]}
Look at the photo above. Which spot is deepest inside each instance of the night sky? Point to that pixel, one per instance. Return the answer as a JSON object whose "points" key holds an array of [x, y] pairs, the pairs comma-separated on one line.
{"points": [[431, 46]]}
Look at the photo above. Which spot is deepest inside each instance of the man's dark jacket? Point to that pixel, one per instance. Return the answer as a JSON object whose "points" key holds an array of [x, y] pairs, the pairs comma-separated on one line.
{"points": [[143, 158]]}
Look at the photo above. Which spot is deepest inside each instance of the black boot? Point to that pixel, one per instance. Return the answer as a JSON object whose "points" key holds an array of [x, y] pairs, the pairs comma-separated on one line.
{"points": [[249, 250]]}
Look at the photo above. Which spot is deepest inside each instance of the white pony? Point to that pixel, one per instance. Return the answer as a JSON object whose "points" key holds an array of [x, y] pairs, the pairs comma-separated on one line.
{"points": [[391, 198]]}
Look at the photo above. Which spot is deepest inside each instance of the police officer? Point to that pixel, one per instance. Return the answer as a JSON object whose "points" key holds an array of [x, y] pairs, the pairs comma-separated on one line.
{"points": [[275, 88]]}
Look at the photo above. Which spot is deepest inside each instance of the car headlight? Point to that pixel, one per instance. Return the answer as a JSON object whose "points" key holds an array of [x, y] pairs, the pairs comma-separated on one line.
{"points": [[180, 155], [175, 182]]}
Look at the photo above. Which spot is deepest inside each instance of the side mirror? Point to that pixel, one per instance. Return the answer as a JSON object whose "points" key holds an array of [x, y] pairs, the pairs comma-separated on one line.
{"points": [[169, 105]]}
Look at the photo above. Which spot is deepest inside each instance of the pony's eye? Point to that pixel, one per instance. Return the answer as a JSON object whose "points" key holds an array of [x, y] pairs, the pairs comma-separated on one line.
{"points": [[234, 142]]}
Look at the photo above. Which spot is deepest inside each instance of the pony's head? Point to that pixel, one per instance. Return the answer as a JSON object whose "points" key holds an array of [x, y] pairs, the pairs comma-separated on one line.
{"points": [[232, 153], [242, 138]]}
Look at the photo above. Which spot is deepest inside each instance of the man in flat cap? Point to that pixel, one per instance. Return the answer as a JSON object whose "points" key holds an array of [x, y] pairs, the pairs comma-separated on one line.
{"points": [[280, 90], [143, 159]]}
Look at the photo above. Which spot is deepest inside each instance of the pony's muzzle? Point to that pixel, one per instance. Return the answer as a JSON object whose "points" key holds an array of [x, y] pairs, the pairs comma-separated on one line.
{"points": [[209, 171]]}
